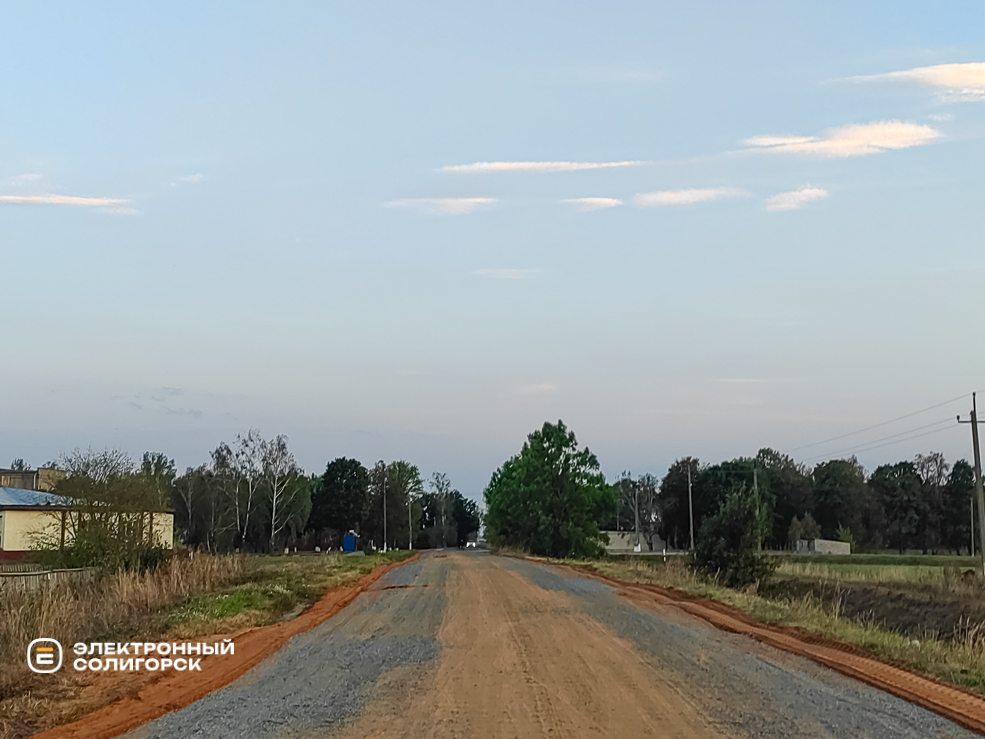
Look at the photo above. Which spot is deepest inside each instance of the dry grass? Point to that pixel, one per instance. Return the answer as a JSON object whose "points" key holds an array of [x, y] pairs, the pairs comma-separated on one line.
{"points": [[113, 607], [959, 659]]}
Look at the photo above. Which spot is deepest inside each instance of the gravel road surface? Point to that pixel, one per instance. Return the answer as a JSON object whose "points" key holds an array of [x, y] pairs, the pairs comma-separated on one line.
{"points": [[466, 644]]}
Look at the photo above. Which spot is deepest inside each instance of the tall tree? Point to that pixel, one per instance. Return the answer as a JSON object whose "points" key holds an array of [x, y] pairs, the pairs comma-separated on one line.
{"points": [[840, 497], [897, 486], [340, 500], [790, 485], [958, 494], [549, 498], [675, 513], [160, 472], [933, 471], [287, 490]]}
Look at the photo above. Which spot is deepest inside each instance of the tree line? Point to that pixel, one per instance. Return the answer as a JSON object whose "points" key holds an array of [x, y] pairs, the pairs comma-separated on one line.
{"points": [[252, 496], [552, 499]]}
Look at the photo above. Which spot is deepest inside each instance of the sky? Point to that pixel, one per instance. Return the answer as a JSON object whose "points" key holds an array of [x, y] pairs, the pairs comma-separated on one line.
{"points": [[419, 231]]}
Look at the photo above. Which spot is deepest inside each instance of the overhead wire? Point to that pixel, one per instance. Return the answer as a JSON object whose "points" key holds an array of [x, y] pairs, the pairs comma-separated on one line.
{"points": [[857, 447], [878, 425], [888, 440]]}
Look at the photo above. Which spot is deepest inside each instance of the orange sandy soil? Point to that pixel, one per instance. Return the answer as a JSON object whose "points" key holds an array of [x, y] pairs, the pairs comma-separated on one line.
{"points": [[127, 700], [960, 706]]}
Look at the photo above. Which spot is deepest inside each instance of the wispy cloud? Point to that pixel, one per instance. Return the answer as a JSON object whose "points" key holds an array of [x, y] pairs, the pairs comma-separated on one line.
{"points": [[479, 167], [121, 211], [594, 203], [442, 206], [795, 199], [849, 141], [952, 81], [188, 179], [504, 274], [688, 197], [60, 200]]}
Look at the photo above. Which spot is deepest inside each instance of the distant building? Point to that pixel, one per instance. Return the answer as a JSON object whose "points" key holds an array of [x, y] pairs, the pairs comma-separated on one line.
{"points": [[26, 514], [624, 542], [42, 479], [823, 546]]}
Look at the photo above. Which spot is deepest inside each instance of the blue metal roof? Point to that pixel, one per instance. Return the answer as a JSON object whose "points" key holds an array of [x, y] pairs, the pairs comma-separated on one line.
{"points": [[18, 497]]}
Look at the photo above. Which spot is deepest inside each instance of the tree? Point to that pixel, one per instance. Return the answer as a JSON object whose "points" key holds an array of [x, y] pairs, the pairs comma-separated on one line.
{"points": [[791, 488], [897, 487], [714, 483], [160, 472], [549, 498], [287, 490], [392, 488], [339, 502], [465, 513], [19, 465], [675, 513], [933, 470], [108, 514], [840, 497], [729, 541], [203, 516], [957, 497]]}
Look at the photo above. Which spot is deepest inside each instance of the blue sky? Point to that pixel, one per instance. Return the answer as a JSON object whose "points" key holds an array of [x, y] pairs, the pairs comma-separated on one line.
{"points": [[386, 229]]}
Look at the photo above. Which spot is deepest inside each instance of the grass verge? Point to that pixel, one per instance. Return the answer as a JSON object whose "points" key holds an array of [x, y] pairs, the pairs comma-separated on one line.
{"points": [[957, 659], [183, 599]]}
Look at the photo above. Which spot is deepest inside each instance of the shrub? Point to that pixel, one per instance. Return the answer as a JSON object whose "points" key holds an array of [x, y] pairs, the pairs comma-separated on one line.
{"points": [[729, 542]]}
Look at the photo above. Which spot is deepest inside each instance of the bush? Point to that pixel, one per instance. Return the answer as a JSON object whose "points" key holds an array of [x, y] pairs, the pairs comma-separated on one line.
{"points": [[729, 542]]}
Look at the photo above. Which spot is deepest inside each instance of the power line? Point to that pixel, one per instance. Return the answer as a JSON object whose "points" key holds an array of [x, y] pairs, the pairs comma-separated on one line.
{"points": [[878, 425], [890, 443], [857, 447]]}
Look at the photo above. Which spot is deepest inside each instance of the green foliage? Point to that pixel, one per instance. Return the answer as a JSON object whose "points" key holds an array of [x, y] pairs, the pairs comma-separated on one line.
{"points": [[340, 500], [549, 498], [898, 489], [729, 541], [675, 517], [845, 535], [957, 496]]}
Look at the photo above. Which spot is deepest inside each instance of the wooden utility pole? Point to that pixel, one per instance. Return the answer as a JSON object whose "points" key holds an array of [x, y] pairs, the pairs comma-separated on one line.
{"points": [[690, 502], [383, 464], [979, 494]]}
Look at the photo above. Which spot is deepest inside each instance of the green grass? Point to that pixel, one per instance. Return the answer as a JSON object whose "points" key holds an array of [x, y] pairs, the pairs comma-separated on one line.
{"points": [[277, 586]]}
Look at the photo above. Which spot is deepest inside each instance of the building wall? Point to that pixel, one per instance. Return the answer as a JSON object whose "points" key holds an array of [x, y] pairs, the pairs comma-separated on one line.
{"points": [[19, 528]]}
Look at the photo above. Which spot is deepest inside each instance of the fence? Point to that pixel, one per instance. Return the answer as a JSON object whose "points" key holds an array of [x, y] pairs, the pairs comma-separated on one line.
{"points": [[37, 578]]}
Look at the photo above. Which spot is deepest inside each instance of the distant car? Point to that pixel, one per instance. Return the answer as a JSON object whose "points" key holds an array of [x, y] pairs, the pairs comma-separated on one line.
{"points": [[470, 545]]}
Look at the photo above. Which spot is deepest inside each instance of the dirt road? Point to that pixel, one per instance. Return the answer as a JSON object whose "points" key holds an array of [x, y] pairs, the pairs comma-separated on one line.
{"points": [[472, 645]]}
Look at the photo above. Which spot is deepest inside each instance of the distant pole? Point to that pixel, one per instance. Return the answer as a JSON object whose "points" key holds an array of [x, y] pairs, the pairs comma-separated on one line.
{"points": [[409, 534], [979, 494], [636, 505], [971, 505], [690, 502], [384, 504]]}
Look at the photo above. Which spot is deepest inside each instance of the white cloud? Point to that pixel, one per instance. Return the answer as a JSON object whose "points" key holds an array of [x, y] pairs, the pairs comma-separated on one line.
{"points": [[795, 199], [28, 177], [534, 166], [953, 81], [594, 203], [442, 206], [504, 274], [60, 200], [849, 141], [687, 197], [192, 178]]}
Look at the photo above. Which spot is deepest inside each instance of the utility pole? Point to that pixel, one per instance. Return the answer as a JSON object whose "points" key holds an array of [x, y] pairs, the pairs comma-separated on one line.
{"points": [[636, 506], [410, 535], [383, 466], [971, 549], [690, 502], [979, 494]]}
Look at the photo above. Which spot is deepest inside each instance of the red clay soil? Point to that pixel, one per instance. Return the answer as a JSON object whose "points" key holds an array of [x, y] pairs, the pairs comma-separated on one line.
{"points": [[174, 690], [960, 706]]}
